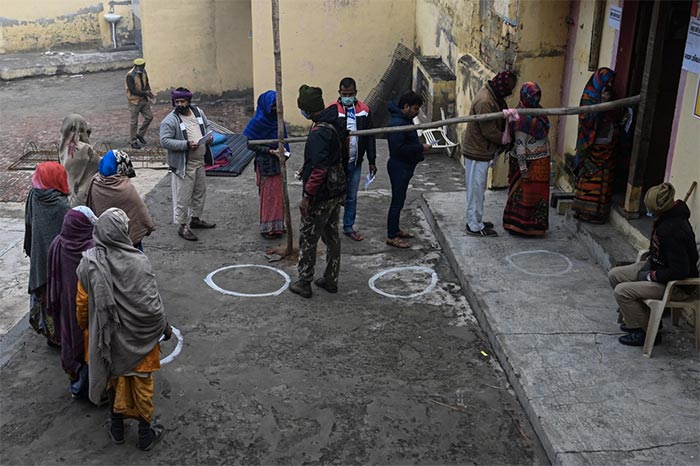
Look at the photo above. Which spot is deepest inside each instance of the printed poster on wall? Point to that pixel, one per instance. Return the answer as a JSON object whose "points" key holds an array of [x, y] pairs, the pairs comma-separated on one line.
{"points": [[614, 17], [691, 57]]}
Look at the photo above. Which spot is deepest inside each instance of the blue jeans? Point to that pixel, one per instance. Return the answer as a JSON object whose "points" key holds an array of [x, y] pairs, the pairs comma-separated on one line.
{"points": [[400, 175], [354, 175]]}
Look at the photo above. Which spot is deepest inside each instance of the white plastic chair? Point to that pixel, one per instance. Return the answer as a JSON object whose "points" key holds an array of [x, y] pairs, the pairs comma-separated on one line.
{"points": [[437, 137], [657, 306]]}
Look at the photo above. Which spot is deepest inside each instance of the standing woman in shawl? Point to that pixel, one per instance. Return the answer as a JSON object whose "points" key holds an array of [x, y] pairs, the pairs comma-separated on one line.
{"points": [[268, 171], [46, 206], [111, 187], [64, 256], [527, 208], [119, 305], [595, 151], [78, 156]]}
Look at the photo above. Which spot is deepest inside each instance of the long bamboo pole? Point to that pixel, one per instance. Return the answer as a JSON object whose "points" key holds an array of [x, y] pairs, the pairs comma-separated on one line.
{"points": [[604, 107], [280, 123]]}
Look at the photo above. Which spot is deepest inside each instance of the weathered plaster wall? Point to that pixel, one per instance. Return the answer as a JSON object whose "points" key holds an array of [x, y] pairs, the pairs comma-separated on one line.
{"points": [[685, 163], [31, 25], [203, 45], [326, 40]]}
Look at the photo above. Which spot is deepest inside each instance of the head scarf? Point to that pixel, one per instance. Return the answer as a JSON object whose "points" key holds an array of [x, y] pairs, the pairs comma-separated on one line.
{"points": [[89, 214], [660, 198], [116, 162], [61, 288], [502, 83], [535, 126], [592, 94], [263, 125], [180, 94], [50, 175], [126, 311], [310, 99], [73, 130]]}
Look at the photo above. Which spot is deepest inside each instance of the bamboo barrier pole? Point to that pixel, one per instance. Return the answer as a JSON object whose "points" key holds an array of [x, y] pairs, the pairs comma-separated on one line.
{"points": [[604, 107]]}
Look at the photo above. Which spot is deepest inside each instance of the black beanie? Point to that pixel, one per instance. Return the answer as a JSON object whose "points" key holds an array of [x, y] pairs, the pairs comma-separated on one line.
{"points": [[310, 99]]}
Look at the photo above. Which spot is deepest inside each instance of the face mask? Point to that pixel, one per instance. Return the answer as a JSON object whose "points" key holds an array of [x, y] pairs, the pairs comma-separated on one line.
{"points": [[305, 115], [182, 110], [347, 101]]}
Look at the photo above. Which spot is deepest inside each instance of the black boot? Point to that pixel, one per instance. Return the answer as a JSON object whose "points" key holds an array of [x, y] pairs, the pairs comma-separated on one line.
{"points": [[301, 288], [149, 435], [116, 429]]}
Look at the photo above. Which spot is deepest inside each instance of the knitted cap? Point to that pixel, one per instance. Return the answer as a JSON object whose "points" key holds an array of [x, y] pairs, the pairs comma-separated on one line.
{"points": [[660, 198], [139, 62], [310, 99]]}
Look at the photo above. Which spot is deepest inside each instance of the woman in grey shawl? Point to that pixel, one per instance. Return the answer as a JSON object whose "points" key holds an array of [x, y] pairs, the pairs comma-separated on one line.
{"points": [[124, 314], [78, 156], [46, 206]]}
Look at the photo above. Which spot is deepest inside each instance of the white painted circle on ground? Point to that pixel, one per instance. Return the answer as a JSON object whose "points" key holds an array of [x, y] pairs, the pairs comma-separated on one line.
{"points": [[416, 268], [209, 280], [177, 349], [567, 269]]}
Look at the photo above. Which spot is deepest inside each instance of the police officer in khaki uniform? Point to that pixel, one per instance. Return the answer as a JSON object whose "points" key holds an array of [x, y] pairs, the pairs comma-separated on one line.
{"points": [[139, 95]]}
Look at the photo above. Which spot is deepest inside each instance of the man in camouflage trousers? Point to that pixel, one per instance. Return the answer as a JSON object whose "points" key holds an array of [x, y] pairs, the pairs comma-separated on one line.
{"points": [[324, 187]]}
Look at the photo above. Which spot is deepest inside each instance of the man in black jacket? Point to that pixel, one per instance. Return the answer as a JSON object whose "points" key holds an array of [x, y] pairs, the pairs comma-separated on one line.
{"points": [[355, 115], [324, 188], [672, 256]]}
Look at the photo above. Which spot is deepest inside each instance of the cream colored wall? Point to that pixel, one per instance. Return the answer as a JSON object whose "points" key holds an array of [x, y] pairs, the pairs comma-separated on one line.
{"points": [[45, 24], [580, 74], [324, 41], [685, 166], [203, 45]]}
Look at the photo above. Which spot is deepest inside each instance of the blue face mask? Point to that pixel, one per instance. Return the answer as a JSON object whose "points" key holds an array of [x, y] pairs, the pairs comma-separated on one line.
{"points": [[347, 101], [305, 115]]}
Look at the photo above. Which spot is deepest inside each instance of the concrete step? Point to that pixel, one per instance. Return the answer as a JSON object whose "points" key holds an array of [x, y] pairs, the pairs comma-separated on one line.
{"points": [[26, 65]]}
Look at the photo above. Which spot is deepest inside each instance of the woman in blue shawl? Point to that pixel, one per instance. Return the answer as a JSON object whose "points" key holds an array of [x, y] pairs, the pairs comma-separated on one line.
{"points": [[268, 171]]}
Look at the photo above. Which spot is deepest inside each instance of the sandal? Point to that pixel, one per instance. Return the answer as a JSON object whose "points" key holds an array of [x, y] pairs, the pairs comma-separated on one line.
{"points": [[353, 235], [397, 243], [406, 234]]}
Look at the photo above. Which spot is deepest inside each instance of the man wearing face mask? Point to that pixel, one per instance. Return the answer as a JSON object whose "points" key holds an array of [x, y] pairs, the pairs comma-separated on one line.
{"points": [[180, 132], [355, 115], [481, 143], [139, 95], [324, 186]]}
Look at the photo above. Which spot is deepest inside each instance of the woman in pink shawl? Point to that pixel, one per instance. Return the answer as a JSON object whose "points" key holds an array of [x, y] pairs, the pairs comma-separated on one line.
{"points": [[65, 253]]}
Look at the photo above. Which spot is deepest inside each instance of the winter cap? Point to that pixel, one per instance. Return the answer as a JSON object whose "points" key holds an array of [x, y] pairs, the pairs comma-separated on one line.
{"points": [[310, 99], [660, 198], [139, 62]]}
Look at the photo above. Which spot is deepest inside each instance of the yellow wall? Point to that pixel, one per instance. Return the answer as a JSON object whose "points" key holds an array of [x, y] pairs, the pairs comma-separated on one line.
{"points": [[203, 45], [580, 74], [685, 166], [29, 25], [324, 41]]}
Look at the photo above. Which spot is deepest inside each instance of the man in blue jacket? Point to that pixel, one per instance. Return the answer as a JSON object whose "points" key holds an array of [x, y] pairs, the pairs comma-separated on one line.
{"points": [[405, 152]]}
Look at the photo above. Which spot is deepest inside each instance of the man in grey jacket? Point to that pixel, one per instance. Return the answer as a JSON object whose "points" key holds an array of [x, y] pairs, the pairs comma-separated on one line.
{"points": [[181, 131]]}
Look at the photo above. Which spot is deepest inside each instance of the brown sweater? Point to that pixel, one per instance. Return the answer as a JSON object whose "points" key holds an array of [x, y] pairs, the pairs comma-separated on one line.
{"points": [[481, 139]]}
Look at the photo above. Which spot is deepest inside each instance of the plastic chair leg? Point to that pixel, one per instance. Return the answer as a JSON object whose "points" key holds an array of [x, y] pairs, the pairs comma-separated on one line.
{"points": [[655, 312]]}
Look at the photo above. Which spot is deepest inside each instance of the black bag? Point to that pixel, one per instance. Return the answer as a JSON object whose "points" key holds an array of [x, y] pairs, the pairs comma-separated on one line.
{"points": [[335, 184]]}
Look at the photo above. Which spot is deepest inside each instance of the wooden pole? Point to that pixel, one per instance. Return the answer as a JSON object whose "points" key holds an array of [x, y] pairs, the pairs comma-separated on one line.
{"points": [[604, 107], [596, 34], [690, 191], [280, 124]]}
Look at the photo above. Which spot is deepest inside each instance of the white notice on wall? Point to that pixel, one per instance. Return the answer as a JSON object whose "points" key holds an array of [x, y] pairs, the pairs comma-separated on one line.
{"points": [[615, 17], [691, 57]]}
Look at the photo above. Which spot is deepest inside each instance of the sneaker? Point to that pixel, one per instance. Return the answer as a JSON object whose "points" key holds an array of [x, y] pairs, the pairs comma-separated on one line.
{"points": [[141, 140], [301, 288], [485, 232], [321, 283], [199, 223], [636, 338], [185, 233], [136, 145], [147, 439]]}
